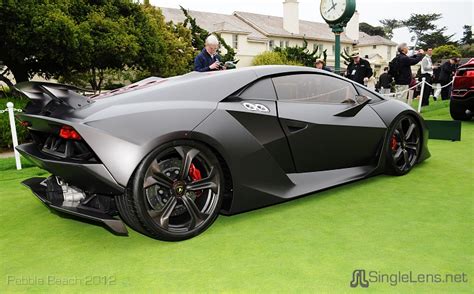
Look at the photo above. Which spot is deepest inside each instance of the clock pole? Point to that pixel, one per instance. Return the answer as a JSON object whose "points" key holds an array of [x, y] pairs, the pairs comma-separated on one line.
{"points": [[337, 30], [337, 19]]}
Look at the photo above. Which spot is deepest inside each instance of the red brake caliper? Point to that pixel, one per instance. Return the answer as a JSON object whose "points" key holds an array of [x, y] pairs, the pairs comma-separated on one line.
{"points": [[195, 175], [394, 143]]}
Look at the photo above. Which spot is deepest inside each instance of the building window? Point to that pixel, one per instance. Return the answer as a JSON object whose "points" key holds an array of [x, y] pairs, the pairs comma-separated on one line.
{"points": [[333, 49], [287, 43], [271, 44], [235, 41], [319, 46], [282, 44], [374, 46], [389, 53]]}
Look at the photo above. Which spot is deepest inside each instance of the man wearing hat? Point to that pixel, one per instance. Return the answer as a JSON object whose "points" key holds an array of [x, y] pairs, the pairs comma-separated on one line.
{"points": [[319, 64], [359, 69]]}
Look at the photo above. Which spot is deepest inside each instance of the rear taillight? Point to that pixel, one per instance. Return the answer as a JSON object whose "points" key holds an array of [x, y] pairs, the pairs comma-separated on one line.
{"points": [[68, 132]]}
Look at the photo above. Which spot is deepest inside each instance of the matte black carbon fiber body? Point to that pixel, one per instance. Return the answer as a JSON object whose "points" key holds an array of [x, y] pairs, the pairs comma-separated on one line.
{"points": [[277, 152]]}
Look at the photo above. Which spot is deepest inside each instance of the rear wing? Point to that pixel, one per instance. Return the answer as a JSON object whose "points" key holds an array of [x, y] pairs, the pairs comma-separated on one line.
{"points": [[46, 97]]}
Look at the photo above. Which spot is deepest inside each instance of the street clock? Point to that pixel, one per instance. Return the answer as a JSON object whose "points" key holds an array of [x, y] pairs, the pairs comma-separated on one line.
{"points": [[337, 14]]}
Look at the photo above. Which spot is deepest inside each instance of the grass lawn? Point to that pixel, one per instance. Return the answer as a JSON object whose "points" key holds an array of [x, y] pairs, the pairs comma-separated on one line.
{"points": [[421, 222]]}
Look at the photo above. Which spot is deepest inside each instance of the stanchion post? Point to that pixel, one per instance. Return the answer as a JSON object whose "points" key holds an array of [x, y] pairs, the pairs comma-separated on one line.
{"points": [[421, 94], [11, 115]]}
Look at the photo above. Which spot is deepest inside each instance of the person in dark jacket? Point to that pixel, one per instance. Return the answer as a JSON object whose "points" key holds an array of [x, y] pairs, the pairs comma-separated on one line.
{"points": [[359, 69], [319, 64], [385, 81], [208, 59], [445, 76], [404, 76]]}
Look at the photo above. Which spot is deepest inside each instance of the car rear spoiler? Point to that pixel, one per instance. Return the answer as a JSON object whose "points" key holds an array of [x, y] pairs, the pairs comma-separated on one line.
{"points": [[43, 94]]}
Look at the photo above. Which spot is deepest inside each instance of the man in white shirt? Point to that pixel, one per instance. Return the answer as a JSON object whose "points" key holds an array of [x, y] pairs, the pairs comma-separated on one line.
{"points": [[427, 73]]}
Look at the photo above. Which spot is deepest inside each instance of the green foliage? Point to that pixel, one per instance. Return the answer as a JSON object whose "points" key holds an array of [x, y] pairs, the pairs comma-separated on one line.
{"points": [[81, 40], [346, 56], [371, 30], [435, 39], [467, 35], [199, 35], [389, 25], [445, 51], [466, 50], [272, 58], [5, 132], [301, 54]]}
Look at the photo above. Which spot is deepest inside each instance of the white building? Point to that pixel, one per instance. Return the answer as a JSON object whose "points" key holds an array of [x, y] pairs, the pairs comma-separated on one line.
{"points": [[251, 34]]}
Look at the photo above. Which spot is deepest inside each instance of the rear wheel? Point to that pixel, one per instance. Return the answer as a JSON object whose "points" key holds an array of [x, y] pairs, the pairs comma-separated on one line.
{"points": [[458, 111], [176, 192], [404, 145]]}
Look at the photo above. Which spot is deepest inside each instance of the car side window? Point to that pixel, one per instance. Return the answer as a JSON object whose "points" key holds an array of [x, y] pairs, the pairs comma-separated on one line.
{"points": [[364, 92], [313, 88], [261, 89]]}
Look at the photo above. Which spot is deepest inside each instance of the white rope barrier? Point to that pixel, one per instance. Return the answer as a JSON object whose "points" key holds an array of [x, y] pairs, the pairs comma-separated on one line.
{"points": [[422, 83], [11, 116], [401, 92]]}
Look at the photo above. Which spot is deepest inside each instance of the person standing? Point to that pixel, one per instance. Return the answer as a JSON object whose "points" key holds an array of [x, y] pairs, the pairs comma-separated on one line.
{"points": [[359, 69], [385, 81], [445, 77], [436, 84], [403, 75], [427, 73], [319, 64], [208, 59]]}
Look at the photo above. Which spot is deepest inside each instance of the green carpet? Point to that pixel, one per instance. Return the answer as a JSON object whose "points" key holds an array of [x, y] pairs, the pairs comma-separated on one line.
{"points": [[421, 222]]}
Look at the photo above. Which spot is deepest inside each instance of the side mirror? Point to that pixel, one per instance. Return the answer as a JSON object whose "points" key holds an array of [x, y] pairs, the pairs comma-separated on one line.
{"points": [[361, 99], [357, 104]]}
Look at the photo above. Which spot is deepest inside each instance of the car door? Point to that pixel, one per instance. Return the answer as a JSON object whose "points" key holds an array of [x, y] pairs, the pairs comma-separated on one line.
{"points": [[319, 138], [255, 109]]}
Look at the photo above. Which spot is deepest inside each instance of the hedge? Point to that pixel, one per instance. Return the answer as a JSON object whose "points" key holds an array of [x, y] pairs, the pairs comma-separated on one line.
{"points": [[5, 132]]}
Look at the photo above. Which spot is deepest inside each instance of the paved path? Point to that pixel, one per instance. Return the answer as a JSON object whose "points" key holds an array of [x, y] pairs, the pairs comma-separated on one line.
{"points": [[7, 154]]}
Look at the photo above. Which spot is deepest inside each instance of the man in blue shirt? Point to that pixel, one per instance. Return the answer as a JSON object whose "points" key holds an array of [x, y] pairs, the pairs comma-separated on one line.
{"points": [[208, 59]]}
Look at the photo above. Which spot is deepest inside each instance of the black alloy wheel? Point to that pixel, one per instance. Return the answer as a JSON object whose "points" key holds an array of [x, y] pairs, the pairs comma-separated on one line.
{"points": [[404, 145], [177, 191]]}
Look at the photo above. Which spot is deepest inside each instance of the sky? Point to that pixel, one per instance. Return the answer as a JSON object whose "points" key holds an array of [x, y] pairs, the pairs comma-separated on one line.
{"points": [[455, 13]]}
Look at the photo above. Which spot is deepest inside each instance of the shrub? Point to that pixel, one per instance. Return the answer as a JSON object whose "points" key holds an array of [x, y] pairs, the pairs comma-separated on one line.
{"points": [[5, 132], [272, 57]]}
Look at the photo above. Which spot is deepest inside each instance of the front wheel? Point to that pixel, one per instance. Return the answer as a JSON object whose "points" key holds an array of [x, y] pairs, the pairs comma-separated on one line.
{"points": [[404, 145], [176, 192], [458, 111]]}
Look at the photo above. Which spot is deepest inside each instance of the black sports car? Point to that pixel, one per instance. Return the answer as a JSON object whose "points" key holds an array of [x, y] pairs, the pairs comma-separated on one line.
{"points": [[166, 156]]}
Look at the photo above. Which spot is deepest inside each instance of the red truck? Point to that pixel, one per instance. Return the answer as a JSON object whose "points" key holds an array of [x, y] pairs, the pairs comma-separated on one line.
{"points": [[462, 95]]}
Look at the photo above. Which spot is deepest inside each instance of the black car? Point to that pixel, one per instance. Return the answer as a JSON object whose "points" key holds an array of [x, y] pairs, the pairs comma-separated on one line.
{"points": [[166, 156]]}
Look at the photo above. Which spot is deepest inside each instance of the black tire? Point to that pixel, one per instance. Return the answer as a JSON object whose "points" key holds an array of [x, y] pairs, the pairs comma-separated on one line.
{"points": [[168, 204], [403, 146], [125, 208], [458, 111]]}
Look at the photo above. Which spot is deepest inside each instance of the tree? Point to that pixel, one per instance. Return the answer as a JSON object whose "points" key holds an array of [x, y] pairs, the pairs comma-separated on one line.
{"points": [[389, 25], [301, 54], [445, 51], [466, 50], [421, 24], [435, 39], [82, 40], [199, 36], [371, 30], [272, 58], [467, 35]]}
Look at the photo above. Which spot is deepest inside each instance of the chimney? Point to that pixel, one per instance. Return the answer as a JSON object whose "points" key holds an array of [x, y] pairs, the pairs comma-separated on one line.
{"points": [[291, 21], [352, 28]]}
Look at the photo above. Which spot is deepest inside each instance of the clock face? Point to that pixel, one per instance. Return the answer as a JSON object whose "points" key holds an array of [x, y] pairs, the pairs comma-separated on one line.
{"points": [[332, 10]]}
